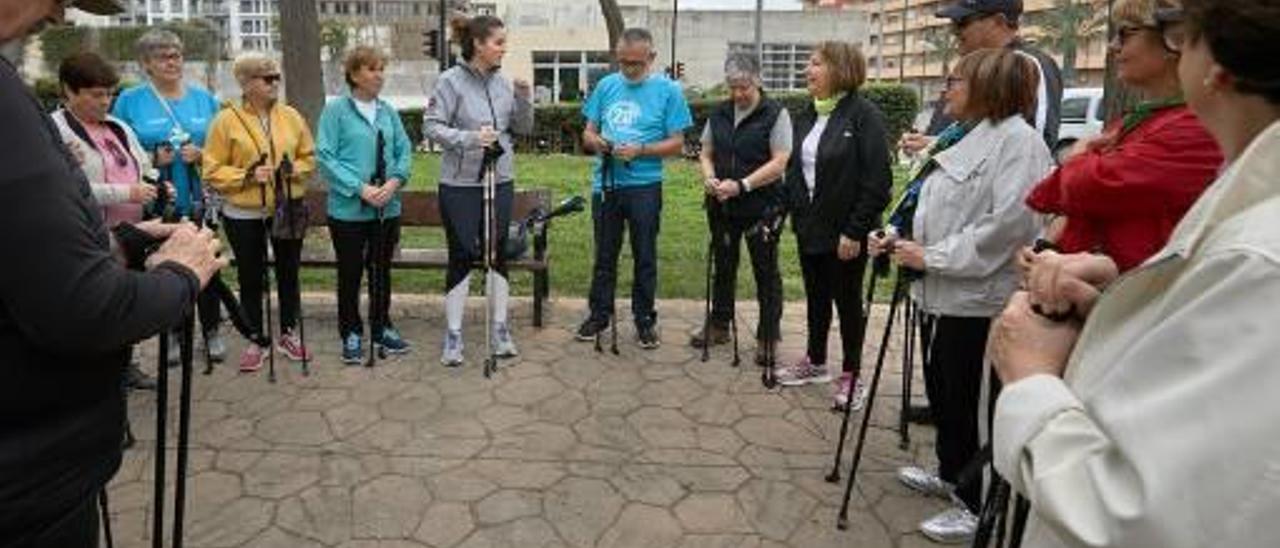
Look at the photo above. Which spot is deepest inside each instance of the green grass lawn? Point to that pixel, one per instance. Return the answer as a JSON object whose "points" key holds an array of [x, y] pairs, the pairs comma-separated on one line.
{"points": [[682, 243]]}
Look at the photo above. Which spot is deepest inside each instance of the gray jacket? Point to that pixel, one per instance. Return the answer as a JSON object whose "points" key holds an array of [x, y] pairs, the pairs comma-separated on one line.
{"points": [[972, 218], [463, 101]]}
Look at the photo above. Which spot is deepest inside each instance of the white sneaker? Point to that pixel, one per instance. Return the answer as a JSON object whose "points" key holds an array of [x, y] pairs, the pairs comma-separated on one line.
{"points": [[452, 354], [954, 526], [925, 482], [802, 373], [503, 345]]}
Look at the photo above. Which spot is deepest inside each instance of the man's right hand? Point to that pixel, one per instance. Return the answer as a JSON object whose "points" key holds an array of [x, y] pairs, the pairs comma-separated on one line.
{"points": [[196, 249], [596, 143], [913, 143]]}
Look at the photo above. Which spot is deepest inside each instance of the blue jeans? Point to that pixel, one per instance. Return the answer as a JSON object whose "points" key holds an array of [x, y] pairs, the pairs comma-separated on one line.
{"points": [[638, 210]]}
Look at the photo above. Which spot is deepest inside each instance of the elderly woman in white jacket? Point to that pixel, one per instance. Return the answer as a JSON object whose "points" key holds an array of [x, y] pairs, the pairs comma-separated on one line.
{"points": [[1152, 419], [969, 223], [109, 152]]}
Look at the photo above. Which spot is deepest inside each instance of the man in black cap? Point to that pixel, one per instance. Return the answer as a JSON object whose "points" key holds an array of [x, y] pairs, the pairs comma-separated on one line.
{"points": [[979, 24], [69, 311]]}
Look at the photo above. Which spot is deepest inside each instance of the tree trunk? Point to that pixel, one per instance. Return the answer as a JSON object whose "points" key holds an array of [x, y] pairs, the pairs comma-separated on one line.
{"points": [[300, 38], [1069, 66], [613, 21]]}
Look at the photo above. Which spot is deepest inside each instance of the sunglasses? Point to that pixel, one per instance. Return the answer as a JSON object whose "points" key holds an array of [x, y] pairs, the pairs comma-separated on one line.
{"points": [[1173, 33], [1127, 32], [271, 78]]}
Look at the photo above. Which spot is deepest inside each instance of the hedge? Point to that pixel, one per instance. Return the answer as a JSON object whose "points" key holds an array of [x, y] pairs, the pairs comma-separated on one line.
{"points": [[558, 127], [199, 42]]}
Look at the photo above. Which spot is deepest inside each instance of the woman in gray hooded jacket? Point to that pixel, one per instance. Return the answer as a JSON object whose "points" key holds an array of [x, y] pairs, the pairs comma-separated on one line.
{"points": [[474, 108]]}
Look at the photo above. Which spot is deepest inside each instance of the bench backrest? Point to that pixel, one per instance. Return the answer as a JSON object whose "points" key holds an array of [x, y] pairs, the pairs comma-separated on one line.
{"points": [[422, 207]]}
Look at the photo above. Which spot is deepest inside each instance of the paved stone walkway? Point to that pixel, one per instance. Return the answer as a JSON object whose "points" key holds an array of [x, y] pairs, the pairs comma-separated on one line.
{"points": [[565, 448]]}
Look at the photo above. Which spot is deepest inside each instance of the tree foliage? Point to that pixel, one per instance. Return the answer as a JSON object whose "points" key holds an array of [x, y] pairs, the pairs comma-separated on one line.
{"points": [[1067, 28]]}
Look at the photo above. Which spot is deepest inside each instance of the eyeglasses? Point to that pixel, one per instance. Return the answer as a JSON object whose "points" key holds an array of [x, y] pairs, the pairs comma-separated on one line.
{"points": [[1127, 32], [953, 82], [632, 64], [170, 56], [270, 78]]}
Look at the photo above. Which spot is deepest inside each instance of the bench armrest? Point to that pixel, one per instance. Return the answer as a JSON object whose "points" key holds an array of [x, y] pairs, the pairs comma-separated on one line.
{"points": [[539, 233]]}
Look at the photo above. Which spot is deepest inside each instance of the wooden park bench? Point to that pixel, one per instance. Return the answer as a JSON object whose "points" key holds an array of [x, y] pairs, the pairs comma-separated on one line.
{"points": [[422, 209]]}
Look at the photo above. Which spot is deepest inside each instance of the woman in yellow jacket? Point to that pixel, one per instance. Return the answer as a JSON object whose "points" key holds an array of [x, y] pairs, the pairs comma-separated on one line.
{"points": [[258, 155]]}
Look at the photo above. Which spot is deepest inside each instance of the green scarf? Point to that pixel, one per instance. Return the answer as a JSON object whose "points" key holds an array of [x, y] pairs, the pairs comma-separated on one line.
{"points": [[1146, 109], [825, 107]]}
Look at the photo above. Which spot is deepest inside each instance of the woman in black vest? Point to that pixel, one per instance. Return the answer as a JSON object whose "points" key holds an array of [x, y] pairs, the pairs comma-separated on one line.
{"points": [[838, 182], [745, 147]]}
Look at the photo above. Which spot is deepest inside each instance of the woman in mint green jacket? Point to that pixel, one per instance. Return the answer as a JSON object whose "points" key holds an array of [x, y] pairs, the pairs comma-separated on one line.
{"points": [[365, 155]]}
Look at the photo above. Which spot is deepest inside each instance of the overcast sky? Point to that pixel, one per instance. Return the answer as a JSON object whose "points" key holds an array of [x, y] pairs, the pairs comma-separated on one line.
{"points": [[738, 4]]}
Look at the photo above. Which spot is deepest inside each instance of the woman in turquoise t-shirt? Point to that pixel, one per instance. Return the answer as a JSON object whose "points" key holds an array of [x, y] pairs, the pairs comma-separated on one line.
{"points": [[170, 118]]}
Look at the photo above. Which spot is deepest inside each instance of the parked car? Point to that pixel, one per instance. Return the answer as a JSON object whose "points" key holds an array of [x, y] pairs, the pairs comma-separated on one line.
{"points": [[1083, 114]]}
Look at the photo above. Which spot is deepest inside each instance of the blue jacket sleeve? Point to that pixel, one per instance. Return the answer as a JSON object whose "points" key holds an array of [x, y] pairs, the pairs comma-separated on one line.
{"points": [[342, 179]]}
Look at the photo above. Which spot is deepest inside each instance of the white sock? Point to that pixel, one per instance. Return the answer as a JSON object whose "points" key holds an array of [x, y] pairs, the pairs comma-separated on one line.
{"points": [[455, 302], [500, 290]]}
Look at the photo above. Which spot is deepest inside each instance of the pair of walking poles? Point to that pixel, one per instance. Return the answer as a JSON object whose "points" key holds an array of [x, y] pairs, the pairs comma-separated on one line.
{"points": [[283, 187]]}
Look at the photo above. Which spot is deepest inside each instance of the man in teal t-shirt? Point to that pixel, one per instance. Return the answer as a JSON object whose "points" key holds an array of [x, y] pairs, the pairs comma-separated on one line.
{"points": [[634, 119]]}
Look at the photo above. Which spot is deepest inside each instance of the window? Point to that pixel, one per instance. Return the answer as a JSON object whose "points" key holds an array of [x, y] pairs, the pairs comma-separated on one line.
{"points": [[560, 76], [782, 66], [1075, 109], [485, 9]]}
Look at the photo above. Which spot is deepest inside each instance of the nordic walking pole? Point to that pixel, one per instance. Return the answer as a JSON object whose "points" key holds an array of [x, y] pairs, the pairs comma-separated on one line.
{"points": [[912, 319], [879, 268], [106, 519], [266, 270], [185, 348], [706, 302], [842, 520], [162, 417], [285, 175], [490, 181], [375, 261]]}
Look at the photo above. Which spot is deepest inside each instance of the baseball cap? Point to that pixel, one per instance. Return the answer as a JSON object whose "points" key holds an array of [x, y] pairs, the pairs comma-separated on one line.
{"points": [[99, 7], [965, 8]]}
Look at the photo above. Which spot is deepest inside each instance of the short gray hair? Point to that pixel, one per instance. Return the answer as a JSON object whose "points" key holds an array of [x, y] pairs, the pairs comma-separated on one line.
{"points": [[155, 41], [636, 35], [742, 66]]}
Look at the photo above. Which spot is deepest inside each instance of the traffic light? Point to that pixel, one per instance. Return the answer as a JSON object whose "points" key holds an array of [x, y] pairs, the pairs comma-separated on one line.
{"points": [[679, 70], [431, 43]]}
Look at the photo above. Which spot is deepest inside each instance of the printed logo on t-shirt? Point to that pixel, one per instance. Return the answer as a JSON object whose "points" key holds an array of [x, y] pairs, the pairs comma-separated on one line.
{"points": [[623, 115]]}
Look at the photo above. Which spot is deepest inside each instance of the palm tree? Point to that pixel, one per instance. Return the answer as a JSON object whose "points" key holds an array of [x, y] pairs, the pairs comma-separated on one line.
{"points": [[1067, 27], [939, 44]]}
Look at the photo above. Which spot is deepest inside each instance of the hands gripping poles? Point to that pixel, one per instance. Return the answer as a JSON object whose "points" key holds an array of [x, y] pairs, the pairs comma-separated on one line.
{"points": [[184, 428], [376, 290]]}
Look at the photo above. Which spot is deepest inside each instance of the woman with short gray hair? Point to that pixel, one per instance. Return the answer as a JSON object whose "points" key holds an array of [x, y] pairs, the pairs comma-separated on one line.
{"points": [[171, 118], [746, 144]]}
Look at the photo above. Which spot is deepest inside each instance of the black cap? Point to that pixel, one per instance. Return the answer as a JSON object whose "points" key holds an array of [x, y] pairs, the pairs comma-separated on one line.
{"points": [[1011, 9]]}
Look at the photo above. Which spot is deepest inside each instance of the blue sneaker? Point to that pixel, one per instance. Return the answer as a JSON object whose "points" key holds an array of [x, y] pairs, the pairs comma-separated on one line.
{"points": [[352, 351], [392, 343]]}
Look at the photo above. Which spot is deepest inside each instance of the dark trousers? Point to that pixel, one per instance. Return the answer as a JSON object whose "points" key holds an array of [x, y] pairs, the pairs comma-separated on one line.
{"points": [[828, 279], [953, 382], [248, 242], [727, 233], [77, 527], [209, 310], [462, 209], [637, 210], [357, 244]]}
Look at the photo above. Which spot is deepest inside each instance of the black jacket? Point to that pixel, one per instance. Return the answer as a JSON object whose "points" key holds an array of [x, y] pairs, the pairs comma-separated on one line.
{"points": [[69, 310], [852, 179], [738, 151]]}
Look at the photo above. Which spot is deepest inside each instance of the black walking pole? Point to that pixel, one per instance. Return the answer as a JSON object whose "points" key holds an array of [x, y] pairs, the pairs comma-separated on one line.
{"points": [[105, 511], [733, 319], [908, 371], [375, 261], [607, 199], [284, 174], [490, 182], [842, 520], [769, 226], [266, 269], [879, 268], [706, 302], [185, 348], [162, 416]]}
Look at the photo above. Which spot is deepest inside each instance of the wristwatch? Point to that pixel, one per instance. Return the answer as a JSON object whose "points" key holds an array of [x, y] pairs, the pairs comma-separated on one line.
{"points": [[744, 186]]}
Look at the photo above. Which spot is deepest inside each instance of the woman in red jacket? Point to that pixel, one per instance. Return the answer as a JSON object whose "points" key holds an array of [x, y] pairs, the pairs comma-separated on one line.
{"points": [[1123, 192]]}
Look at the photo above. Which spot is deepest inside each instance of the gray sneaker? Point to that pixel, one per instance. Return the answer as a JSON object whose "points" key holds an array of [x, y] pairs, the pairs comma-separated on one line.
{"points": [[924, 482], [452, 354], [217, 348], [503, 345], [954, 526]]}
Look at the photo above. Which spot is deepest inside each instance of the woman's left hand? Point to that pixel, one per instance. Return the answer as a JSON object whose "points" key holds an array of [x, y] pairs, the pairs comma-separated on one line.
{"points": [[849, 248], [909, 254], [1024, 343]]}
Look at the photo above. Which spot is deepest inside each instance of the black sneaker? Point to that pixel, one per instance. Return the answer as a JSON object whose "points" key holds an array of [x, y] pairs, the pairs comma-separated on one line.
{"points": [[648, 336], [590, 328], [136, 379], [716, 332]]}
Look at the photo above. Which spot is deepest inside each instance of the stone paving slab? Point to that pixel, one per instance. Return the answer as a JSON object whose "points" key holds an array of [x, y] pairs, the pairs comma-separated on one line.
{"points": [[564, 447]]}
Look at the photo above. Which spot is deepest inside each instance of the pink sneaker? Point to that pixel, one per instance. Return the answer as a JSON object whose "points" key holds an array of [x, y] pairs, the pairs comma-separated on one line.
{"points": [[251, 360], [847, 387], [291, 346], [802, 373]]}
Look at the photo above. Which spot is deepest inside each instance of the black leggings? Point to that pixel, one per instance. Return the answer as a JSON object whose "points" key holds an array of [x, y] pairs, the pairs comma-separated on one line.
{"points": [[462, 208], [953, 382], [827, 279], [354, 243], [247, 241]]}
